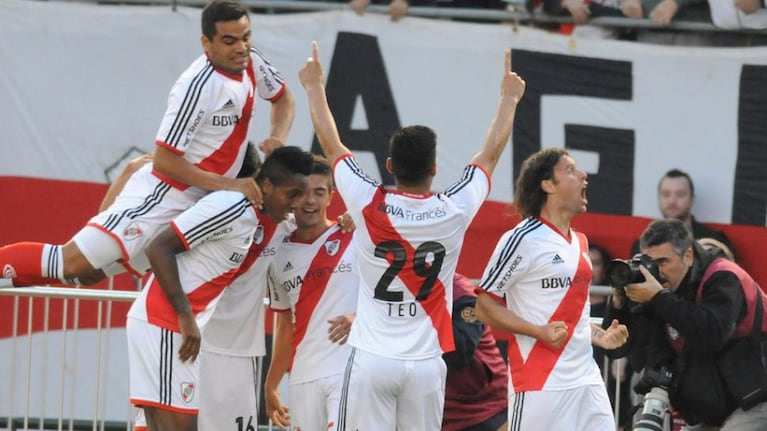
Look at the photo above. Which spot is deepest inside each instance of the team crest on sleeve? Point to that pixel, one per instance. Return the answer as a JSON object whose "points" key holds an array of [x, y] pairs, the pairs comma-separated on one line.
{"points": [[331, 247], [258, 237], [187, 392]]}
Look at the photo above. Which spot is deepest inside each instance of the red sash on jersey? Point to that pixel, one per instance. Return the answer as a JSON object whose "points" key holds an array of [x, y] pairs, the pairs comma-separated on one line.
{"points": [[531, 374], [161, 313], [222, 159], [315, 281], [381, 229]]}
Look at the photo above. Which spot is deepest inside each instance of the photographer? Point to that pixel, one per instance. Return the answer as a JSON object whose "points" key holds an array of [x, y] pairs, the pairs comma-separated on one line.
{"points": [[710, 316]]}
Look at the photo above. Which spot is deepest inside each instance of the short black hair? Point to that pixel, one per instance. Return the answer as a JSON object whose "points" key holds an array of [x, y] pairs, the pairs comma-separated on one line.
{"points": [[677, 173], [284, 163], [413, 152], [529, 197], [667, 230], [219, 11]]}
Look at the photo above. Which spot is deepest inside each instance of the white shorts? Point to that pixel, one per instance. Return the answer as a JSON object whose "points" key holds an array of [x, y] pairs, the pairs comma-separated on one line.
{"points": [[384, 394], [583, 408], [145, 205], [157, 377], [230, 387], [314, 404]]}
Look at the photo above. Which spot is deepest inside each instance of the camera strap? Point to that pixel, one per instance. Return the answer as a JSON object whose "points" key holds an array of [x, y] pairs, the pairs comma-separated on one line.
{"points": [[752, 293]]}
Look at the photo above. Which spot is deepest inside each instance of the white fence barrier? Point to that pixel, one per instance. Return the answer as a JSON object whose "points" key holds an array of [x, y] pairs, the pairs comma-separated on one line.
{"points": [[71, 377]]}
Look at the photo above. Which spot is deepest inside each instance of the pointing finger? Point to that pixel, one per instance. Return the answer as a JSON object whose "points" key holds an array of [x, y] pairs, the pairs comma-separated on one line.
{"points": [[507, 61], [315, 51]]}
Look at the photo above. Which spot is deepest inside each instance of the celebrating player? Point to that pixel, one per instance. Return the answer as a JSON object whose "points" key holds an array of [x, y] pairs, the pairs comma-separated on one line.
{"points": [[407, 244], [200, 148]]}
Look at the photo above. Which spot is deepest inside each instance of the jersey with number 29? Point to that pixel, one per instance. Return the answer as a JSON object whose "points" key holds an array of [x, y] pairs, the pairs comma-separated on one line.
{"points": [[407, 252]]}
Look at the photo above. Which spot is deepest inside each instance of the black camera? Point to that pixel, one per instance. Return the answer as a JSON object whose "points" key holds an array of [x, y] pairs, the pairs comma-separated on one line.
{"points": [[619, 273], [653, 377]]}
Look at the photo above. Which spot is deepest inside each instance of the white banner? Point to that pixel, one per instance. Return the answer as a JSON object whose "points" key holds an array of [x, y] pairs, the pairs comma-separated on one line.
{"points": [[81, 84]]}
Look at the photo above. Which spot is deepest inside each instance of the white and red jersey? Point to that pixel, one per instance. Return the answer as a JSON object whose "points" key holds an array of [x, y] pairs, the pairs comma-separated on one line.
{"points": [[236, 327], [217, 232], [317, 281], [545, 277], [407, 252], [209, 112]]}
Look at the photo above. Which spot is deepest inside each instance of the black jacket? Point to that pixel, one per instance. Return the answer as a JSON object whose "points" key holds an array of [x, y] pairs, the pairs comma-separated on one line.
{"points": [[705, 326]]}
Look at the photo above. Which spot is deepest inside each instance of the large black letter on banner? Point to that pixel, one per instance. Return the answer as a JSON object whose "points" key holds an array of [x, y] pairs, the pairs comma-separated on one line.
{"points": [[749, 205], [357, 69], [611, 188]]}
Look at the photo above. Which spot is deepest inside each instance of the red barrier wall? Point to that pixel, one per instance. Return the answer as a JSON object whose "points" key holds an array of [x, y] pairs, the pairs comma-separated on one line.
{"points": [[52, 211]]}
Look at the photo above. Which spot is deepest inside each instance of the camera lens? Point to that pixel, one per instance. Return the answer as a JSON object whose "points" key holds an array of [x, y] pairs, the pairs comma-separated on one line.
{"points": [[619, 273]]}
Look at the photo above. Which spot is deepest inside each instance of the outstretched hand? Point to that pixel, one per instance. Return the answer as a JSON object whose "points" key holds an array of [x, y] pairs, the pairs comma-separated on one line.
{"points": [[512, 84], [312, 73]]}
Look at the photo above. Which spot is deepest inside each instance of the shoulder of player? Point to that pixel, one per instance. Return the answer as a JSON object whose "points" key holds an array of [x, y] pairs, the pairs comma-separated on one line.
{"points": [[226, 201]]}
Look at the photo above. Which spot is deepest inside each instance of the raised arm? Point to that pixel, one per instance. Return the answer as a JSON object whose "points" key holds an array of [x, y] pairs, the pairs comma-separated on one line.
{"points": [[512, 89], [312, 78]]}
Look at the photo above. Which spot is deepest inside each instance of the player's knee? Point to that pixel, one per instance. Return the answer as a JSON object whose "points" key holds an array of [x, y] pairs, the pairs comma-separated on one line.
{"points": [[75, 263], [92, 277]]}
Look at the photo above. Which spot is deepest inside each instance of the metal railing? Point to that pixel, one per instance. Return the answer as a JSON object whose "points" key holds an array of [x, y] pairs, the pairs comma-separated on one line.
{"points": [[68, 381], [67, 415], [516, 13]]}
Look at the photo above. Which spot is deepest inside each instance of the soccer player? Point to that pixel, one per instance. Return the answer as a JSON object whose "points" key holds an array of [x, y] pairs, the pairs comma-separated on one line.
{"points": [[199, 148], [314, 283], [542, 268], [193, 260], [407, 244]]}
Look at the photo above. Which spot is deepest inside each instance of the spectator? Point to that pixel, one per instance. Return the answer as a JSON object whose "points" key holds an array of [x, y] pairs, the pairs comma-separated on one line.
{"points": [[398, 8], [599, 259], [711, 316], [476, 393], [738, 14], [662, 12], [582, 10], [676, 196]]}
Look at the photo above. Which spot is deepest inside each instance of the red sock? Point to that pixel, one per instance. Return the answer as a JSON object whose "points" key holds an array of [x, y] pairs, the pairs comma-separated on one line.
{"points": [[22, 260]]}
